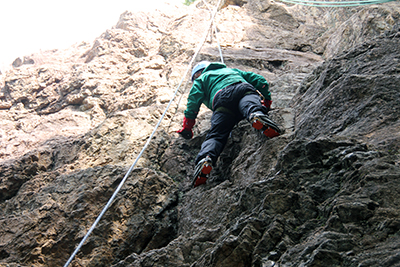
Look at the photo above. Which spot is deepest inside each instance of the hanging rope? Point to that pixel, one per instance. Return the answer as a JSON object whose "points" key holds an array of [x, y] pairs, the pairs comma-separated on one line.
{"points": [[219, 46], [144, 147], [215, 32], [335, 3]]}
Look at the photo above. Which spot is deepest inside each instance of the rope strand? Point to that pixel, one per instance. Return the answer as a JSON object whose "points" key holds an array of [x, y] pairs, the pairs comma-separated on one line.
{"points": [[335, 3], [215, 32]]}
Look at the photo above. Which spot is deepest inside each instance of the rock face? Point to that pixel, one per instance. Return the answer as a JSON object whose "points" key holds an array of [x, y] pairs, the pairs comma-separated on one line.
{"points": [[326, 193], [356, 95]]}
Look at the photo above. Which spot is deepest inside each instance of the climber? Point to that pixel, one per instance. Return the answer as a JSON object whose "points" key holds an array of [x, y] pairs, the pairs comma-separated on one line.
{"points": [[233, 95]]}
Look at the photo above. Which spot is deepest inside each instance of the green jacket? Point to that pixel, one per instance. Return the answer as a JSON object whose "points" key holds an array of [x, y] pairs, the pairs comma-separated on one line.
{"points": [[216, 77]]}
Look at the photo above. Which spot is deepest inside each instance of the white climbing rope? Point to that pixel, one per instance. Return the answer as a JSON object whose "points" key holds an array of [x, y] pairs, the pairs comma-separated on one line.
{"points": [[144, 147], [215, 32], [336, 3], [219, 46]]}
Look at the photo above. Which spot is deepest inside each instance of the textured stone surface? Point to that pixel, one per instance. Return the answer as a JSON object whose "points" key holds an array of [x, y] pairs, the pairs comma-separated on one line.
{"points": [[355, 94], [324, 193], [40, 229]]}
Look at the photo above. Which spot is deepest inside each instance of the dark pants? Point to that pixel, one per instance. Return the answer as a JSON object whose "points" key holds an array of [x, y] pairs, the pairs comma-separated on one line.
{"points": [[231, 105]]}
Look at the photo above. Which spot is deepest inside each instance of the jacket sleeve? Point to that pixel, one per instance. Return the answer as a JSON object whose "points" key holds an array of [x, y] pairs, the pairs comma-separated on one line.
{"points": [[195, 99], [258, 81]]}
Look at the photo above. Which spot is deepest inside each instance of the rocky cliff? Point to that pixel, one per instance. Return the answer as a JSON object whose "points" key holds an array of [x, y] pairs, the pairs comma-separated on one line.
{"points": [[326, 193]]}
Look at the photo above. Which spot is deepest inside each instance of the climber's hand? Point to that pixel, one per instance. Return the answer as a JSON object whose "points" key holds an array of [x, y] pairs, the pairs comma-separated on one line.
{"points": [[185, 133]]}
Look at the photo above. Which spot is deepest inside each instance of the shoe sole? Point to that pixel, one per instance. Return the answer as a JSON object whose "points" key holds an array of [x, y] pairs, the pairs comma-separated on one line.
{"points": [[267, 130], [199, 181], [201, 177]]}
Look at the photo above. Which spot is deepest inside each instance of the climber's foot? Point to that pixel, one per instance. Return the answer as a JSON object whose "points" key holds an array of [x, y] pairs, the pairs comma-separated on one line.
{"points": [[262, 122], [203, 168]]}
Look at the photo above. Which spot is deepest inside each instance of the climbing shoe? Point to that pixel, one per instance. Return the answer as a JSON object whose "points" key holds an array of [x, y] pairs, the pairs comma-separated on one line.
{"points": [[203, 168], [262, 122]]}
